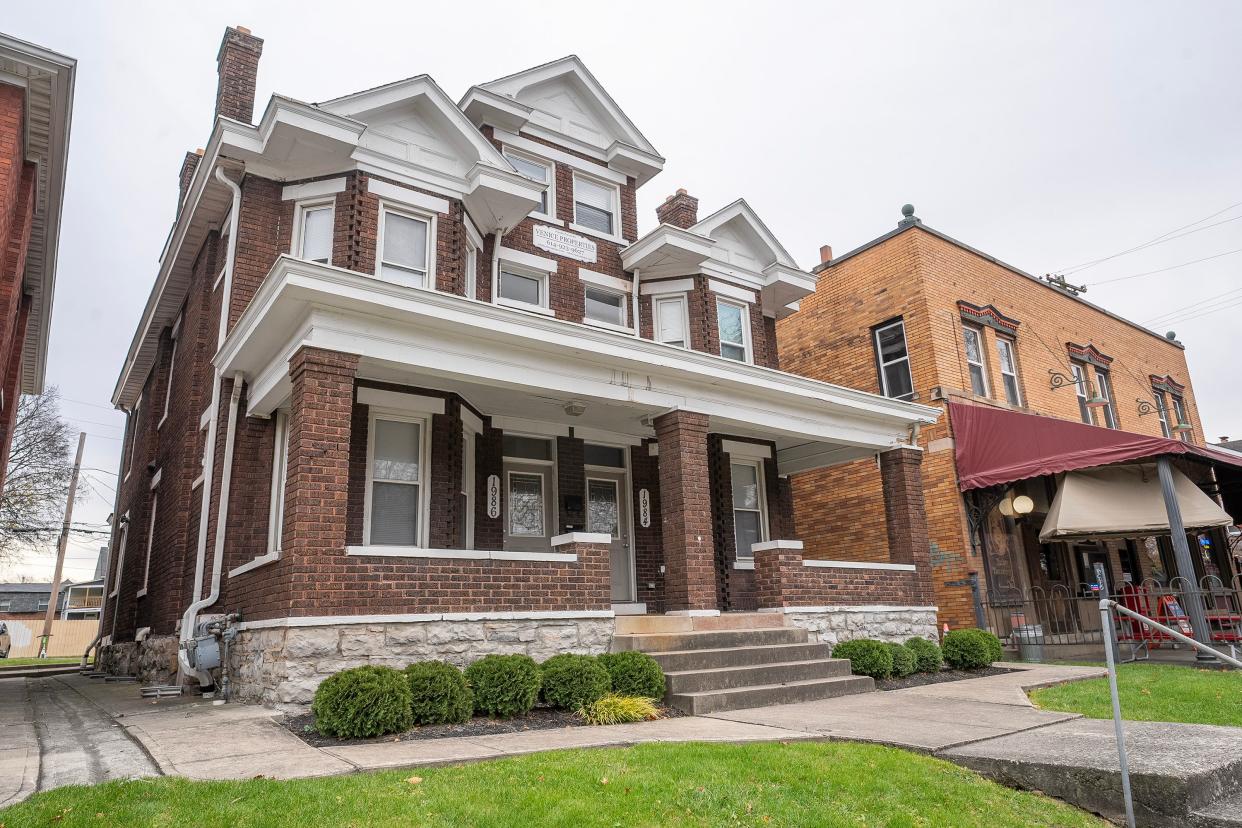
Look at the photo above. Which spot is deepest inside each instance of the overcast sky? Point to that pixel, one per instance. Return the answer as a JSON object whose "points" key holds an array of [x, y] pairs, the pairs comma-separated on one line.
{"points": [[1047, 134]]}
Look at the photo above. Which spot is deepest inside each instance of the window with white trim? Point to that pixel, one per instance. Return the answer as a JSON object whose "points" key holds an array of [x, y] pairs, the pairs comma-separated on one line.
{"points": [[313, 236], [973, 339], [172, 364], [749, 505], [524, 286], [120, 557], [537, 169], [403, 250], [1104, 387], [1081, 389], [896, 379], [595, 205], [146, 567], [670, 320], [396, 480], [1179, 409], [1007, 354], [1162, 412], [472, 269], [465, 507], [280, 472], [133, 435], [733, 325], [604, 305]]}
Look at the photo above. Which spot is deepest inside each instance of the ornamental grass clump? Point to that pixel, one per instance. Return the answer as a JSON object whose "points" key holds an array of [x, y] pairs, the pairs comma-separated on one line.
{"points": [[971, 649], [927, 656], [634, 674], [573, 681], [904, 661], [613, 709], [867, 656], [363, 702], [438, 693], [504, 686]]}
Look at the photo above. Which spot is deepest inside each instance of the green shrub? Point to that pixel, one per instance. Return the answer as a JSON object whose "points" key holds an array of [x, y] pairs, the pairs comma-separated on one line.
{"points": [[573, 681], [971, 649], [504, 686], [904, 662], [867, 657], [927, 655], [613, 709], [438, 693], [634, 674], [363, 702]]}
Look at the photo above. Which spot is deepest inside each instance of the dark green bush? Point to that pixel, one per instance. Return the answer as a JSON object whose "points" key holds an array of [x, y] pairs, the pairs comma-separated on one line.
{"points": [[971, 649], [438, 693], [927, 655], [504, 686], [634, 674], [573, 681], [904, 662], [867, 657], [363, 702]]}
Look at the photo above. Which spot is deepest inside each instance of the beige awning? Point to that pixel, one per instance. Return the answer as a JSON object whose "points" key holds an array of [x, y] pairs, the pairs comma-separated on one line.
{"points": [[1124, 502]]}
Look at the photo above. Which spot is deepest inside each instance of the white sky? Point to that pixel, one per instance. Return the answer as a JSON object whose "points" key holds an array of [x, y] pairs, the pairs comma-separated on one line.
{"points": [[1045, 134]]}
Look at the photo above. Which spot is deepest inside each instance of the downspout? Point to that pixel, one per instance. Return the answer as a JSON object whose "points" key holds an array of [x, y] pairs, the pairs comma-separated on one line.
{"points": [[189, 617], [634, 301]]}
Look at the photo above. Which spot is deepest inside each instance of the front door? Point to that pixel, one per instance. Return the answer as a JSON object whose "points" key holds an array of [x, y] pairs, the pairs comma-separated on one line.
{"points": [[608, 513], [529, 499]]}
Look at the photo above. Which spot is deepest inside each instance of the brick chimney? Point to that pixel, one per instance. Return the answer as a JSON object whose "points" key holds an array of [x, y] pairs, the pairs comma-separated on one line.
{"points": [[188, 167], [825, 253], [238, 66], [680, 210]]}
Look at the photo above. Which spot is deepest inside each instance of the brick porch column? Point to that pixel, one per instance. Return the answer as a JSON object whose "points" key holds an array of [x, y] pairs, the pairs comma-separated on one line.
{"points": [[908, 543], [686, 512], [317, 487], [778, 570]]}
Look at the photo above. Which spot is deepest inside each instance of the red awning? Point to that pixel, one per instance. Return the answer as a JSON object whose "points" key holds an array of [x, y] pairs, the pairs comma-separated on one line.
{"points": [[993, 446]]}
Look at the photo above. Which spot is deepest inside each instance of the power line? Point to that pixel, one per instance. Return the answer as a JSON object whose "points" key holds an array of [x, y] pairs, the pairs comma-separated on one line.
{"points": [[1161, 239], [1165, 269], [1199, 314], [93, 405], [1192, 305]]}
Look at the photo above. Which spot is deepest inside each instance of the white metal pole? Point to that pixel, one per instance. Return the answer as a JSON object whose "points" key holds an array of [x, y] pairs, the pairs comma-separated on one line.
{"points": [[1106, 619]]}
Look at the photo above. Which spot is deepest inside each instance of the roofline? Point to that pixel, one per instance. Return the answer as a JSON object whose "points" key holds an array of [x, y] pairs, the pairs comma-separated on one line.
{"points": [[823, 266]]}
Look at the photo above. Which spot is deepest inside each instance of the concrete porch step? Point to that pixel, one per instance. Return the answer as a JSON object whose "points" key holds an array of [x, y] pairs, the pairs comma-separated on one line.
{"points": [[1224, 813], [709, 640], [762, 695], [750, 675], [653, 624], [677, 661]]}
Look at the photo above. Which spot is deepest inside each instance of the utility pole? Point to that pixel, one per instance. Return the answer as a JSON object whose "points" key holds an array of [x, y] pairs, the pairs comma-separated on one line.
{"points": [[61, 547]]}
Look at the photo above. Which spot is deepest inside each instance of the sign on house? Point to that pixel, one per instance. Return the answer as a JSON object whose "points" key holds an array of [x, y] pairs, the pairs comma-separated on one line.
{"points": [[564, 244]]}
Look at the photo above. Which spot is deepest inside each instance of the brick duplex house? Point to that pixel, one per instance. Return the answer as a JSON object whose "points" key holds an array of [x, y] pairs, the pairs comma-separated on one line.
{"points": [[916, 314], [411, 381]]}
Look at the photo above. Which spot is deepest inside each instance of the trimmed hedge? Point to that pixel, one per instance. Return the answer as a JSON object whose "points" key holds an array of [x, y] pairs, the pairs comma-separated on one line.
{"points": [[904, 661], [634, 674], [867, 656], [571, 681], [927, 656], [438, 693], [971, 649], [363, 702], [504, 686]]}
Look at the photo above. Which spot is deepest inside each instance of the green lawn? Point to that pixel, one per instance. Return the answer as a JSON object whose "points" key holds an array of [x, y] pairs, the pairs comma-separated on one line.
{"points": [[695, 784], [1154, 693], [42, 662]]}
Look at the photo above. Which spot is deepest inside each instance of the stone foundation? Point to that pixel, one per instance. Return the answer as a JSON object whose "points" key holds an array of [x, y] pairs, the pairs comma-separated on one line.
{"points": [[153, 660], [833, 625], [284, 665]]}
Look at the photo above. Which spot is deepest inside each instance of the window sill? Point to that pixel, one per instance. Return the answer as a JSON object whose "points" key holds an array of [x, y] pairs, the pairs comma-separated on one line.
{"points": [[198, 481], [591, 231], [509, 303], [460, 554], [142, 593], [262, 560], [160, 424], [742, 564], [892, 567]]}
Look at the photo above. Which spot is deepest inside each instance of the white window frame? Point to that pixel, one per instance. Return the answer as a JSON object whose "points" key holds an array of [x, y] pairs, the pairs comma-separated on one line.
{"points": [[683, 301], [748, 351], [280, 476], [172, 364], [624, 324], [1003, 343], [543, 277], [301, 208], [429, 277], [615, 190], [1104, 387], [424, 468], [146, 568], [982, 364], [1081, 380], [120, 558], [879, 357], [1162, 412], [133, 437], [550, 183], [469, 474], [1179, 411], [761, 484]]}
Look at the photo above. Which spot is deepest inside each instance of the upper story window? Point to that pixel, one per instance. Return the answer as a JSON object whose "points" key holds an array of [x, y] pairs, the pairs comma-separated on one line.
{"points": [[536, 169], [1007, 354], [472, 269], [1104, 387], [133, 436], [313, 237], [670, 320], [403, 249], [894, 360], [595, 205], [973, 338], [733, 323], [1179, 409], [396, 474], [522, 286], [172, 364], [280, 471], [1082, 390], [604, 305], [1162, 412]]}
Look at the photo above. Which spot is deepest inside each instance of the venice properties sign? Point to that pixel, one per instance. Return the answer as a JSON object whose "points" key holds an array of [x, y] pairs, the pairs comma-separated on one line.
{"points": [[566, 244]]}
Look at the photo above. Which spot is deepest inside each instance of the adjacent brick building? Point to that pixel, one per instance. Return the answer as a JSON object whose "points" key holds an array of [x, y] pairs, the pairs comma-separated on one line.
{"points": [[411, 381], [919, 315]]}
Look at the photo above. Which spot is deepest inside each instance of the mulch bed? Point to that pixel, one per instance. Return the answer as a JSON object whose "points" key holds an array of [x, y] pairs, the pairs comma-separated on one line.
{"points": [[541, 718], [920, 679]]}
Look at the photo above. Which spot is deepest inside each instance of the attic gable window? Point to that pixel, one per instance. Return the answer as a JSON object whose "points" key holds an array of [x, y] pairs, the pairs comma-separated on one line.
{"points": [[595, 205], [536, 169]]}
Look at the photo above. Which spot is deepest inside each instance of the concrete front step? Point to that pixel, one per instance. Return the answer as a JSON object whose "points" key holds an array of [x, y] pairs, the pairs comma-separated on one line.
{"points": [[650, 624], [1224, 813], [678, 661], [708, 640], [726, 678], [762, 695]]}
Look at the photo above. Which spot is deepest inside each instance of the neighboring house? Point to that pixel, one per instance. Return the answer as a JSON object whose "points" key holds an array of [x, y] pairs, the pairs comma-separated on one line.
{"points": [[36, 102], [918, 315], [457, 402], [28, 601], [82, 601]]}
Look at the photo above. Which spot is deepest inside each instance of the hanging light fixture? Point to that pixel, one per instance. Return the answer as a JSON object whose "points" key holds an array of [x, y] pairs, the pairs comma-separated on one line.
{"points": [[1005, 507], [1096, 400], [1023, 505]]}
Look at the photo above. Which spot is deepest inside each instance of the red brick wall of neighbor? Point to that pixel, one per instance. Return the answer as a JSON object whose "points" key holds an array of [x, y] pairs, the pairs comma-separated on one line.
{"points": [[921, 277]]}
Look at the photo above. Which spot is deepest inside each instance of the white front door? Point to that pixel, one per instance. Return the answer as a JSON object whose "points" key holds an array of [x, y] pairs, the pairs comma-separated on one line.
{"points": [[608, 513]]}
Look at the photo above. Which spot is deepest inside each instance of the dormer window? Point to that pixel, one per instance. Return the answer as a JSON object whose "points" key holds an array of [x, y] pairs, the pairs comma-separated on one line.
{"points": [[402, 255], [595, 205], [536, 169], [314, 236]]}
